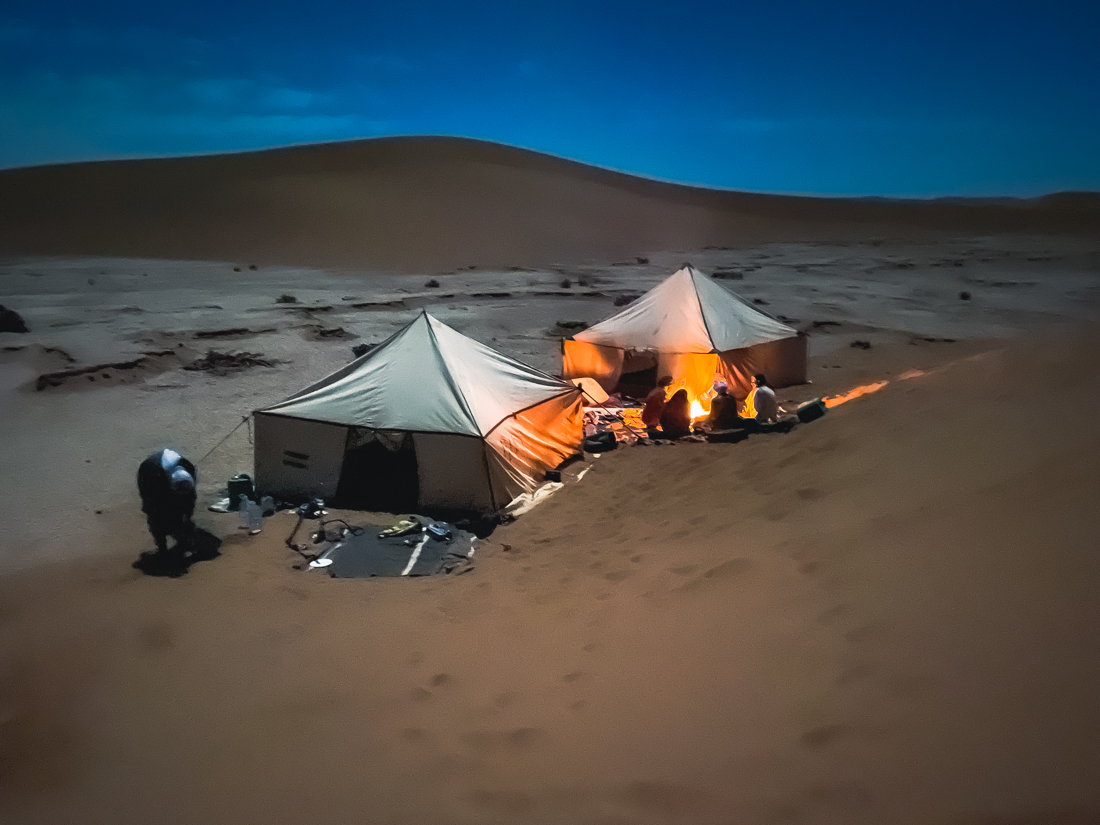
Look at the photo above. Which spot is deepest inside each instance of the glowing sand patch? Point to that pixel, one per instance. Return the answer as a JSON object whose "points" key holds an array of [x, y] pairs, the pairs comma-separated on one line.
{"points": [[865, 389]]}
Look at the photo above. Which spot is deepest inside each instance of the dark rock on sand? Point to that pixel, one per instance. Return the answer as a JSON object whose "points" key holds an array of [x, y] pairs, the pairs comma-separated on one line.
{"points": [[11, 321]]}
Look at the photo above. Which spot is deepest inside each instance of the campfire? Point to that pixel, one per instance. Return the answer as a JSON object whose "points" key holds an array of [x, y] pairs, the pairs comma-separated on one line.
{"points": [[697, 411]]}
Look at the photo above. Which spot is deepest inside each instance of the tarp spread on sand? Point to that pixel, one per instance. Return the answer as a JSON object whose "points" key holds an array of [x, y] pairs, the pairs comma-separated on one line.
{"points": [[427, 419], [693, 329]]}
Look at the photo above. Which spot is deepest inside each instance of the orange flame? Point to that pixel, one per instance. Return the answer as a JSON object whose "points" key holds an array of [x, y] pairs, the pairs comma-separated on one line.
{"points": [[837, 400], [697, 410]]}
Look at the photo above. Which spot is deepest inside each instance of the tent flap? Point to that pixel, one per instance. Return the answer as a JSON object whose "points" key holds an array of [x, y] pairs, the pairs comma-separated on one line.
{"points": [[534, 441], [581, 359]]}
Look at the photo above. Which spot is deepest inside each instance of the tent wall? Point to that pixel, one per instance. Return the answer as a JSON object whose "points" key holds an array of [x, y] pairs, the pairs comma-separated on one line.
{"points": [[524, 446], [296, 459], [782, 361], [453, 472], [581, 359]]}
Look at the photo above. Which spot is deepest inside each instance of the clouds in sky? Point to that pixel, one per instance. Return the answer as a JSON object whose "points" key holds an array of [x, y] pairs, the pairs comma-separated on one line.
{"points": [[848, 98]]}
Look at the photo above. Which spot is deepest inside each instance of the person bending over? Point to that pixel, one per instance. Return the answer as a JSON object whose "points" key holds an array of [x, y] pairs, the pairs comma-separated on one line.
{"points": [[676, 418], [655, 405], [166, 481], [762, 404]]}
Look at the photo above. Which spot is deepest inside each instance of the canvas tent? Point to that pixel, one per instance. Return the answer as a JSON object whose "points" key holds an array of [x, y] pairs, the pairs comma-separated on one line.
{"points": [[691, 328], [428, 419]]}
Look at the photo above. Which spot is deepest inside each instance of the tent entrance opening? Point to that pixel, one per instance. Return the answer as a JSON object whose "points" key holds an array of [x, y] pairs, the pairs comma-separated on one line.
{"points": [[379, 472]]}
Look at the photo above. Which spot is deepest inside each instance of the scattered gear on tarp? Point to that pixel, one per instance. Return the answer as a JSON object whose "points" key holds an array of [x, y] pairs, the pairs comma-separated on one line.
{"points": [[413, 546]]}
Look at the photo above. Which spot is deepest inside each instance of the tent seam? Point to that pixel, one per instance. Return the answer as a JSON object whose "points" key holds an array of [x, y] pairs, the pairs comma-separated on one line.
{"points": [[698, 301]]}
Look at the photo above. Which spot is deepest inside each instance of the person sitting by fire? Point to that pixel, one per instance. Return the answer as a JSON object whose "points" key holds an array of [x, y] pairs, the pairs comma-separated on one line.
{"points": [[762, 405], [723, 409], [655, 405], [676, 417]]}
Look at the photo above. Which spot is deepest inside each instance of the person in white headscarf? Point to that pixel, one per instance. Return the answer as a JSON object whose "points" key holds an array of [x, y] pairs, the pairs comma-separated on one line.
{"points": [[723, 409], [167, 483]]}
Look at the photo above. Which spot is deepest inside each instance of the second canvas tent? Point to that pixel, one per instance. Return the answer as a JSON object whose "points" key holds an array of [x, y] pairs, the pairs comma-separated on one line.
{"points": [[692, 329]]}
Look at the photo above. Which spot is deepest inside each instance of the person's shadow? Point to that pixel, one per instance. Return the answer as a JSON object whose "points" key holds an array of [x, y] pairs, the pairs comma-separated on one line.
{"points": [[174, 562]]}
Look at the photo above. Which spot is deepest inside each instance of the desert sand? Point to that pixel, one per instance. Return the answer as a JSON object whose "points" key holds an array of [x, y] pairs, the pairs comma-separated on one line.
{"points": [[890, 614]]}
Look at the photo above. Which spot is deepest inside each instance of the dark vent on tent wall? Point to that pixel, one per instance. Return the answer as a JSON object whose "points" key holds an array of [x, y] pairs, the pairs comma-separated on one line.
{"points": [[293, 455]]}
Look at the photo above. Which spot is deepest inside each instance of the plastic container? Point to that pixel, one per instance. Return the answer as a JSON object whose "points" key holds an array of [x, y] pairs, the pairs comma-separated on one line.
{"points": [[267, 506], [251, 515], [241, 506]]}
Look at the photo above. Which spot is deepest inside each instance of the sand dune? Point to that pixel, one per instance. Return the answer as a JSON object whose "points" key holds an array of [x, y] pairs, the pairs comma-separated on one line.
{"points": [[438, 203], [889, 615]]}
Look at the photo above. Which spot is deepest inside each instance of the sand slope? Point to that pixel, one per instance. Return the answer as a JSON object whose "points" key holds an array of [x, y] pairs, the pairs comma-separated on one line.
{"points": [[889, 615], [440, 203]]}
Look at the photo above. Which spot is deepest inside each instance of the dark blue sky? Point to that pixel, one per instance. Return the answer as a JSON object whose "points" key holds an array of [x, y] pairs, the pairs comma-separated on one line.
{"points": [[887, 98]]}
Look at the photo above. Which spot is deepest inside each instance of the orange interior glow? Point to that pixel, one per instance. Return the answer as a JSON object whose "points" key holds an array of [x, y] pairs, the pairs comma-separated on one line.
{"points": [[837, 400], [697, 410]]}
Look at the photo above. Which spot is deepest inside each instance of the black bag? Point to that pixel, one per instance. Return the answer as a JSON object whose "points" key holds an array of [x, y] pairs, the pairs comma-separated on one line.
{"points": [[600, 442]]}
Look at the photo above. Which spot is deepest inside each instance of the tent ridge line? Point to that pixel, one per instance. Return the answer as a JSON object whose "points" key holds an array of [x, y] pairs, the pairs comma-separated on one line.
{"points": [[698, 301]]}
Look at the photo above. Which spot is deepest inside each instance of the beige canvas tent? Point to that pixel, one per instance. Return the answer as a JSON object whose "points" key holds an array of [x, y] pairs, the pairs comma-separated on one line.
{"points": [[691, 328], [428, 419]]}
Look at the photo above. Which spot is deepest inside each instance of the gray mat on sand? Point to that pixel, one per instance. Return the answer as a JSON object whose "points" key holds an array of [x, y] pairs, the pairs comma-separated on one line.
{"points": [[368, 555]]}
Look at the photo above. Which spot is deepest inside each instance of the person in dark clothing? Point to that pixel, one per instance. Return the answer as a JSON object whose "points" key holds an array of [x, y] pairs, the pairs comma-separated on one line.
{"points": [[655, 405], [723, 409], [676, 418], [166, 481]]}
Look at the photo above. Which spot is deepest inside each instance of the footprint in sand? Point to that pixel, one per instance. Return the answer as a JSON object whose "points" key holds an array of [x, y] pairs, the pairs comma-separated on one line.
{"points": [[158, 636], [664, 799], [834, 613], [419, 694], [505, 803], [572, 677], [441, 679], [503, 700], [486, 741], [617, 575], [841, 796], [413, 734], [822, 736], [727, 570], [853, 674]]}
